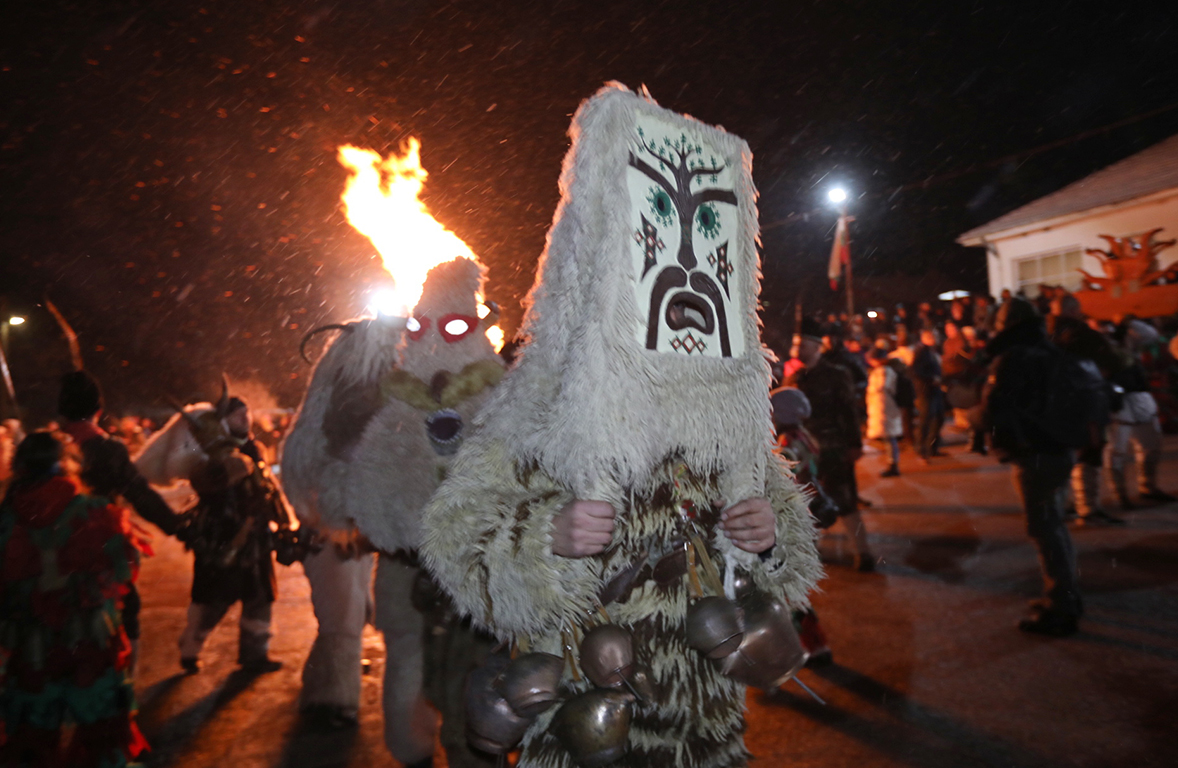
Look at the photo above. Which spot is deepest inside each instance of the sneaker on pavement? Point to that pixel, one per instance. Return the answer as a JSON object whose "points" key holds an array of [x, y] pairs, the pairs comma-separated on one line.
{"points": [[892, 471], [1098, 518], [261, 665]]}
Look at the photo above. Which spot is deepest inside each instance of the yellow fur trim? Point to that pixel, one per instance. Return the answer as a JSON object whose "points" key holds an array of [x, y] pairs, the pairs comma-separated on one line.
{"points": [[470, 381]]}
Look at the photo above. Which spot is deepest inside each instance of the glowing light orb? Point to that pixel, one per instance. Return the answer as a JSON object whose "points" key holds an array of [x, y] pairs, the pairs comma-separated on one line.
{"points": [[387, 302]]}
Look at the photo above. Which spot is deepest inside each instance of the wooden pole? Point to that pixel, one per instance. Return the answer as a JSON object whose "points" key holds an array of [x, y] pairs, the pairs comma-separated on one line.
{"points": [[850, 289]]}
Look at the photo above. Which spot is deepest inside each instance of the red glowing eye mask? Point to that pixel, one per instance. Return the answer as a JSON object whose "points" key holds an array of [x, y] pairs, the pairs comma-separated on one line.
{"points": [[422, 327], [457, 327]]}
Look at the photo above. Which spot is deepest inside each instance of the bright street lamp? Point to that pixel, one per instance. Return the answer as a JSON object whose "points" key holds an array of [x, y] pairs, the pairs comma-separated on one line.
{"points": [[837, 195], [16, 320]]}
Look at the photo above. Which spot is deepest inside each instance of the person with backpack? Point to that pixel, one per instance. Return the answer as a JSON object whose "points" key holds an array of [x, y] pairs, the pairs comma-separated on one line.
{"points": [[1039, 406], [1069, 332]]}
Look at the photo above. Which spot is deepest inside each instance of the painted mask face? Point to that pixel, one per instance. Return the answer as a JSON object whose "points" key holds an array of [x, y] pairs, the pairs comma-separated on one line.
{"points": [[683, 212]]}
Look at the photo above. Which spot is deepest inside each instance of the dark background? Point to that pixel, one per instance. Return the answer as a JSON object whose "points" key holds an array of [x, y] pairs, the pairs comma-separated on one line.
{"points": [[168, 172]]}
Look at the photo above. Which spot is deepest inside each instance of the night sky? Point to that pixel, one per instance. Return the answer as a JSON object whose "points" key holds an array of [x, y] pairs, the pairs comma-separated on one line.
{"points": [[168, 171]]}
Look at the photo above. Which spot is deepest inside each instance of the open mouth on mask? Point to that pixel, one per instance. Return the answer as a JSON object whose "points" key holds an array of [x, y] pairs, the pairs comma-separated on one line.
{"points": [[444, 429], [689, 310]]}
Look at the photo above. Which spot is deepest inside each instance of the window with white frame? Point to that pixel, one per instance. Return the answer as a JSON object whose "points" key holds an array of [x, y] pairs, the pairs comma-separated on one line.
{"points": [[1053, 268]]}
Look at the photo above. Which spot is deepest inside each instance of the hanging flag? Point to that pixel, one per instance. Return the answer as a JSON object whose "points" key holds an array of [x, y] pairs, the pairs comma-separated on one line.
{"points": [[840, 254]]}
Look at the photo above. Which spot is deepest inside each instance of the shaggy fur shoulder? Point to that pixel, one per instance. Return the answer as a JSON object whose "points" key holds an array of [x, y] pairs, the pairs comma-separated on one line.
{"points": [[343, 395], [488, 543]]}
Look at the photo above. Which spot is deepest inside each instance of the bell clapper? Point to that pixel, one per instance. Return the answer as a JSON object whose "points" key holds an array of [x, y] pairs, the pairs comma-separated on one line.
{"points": [[695, 587], [638, 696], [711, 575], [569, 657], [806, 688]]}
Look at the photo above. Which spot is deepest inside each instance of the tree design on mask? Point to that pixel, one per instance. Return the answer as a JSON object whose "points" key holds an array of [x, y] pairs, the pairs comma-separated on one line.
{"points": [[686, 171], [685, 176]]}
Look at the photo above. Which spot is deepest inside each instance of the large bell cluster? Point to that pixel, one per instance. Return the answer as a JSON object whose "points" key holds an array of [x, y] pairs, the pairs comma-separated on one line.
{"points": [[750, 639]]}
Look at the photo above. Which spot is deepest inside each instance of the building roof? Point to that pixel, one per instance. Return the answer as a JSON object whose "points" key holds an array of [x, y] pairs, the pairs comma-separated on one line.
{"points": [[1149, 171]]}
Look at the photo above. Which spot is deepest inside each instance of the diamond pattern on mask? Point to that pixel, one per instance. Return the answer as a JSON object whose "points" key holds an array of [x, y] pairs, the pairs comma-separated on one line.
{"points": [[688, 344], [652, 244], [719, 262]]}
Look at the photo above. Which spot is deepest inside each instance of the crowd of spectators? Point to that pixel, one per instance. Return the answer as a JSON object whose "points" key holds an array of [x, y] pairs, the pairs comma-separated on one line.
{"points": [[1052, 393]]}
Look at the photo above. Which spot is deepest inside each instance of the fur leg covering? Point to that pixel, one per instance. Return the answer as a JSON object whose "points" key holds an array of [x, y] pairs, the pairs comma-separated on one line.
{"points": [[410, 724], [341, 597]]}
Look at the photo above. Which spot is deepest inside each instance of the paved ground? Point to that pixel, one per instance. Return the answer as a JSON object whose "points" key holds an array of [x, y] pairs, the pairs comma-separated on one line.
{"points": [[929, 671]]}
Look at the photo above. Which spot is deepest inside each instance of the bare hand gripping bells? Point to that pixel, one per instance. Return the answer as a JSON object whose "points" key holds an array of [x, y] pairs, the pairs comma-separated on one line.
{"points": [[644, 386]]}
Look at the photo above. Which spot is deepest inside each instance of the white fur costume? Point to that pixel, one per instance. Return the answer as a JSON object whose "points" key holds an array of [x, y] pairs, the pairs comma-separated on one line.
{"points": [[317, 456], [426, 396], [644, 384]]}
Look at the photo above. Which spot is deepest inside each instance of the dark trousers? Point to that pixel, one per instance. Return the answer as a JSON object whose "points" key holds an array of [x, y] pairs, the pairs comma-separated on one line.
{"points": [[932, 416], [837, 476], [1039, 478], [254, 628]]}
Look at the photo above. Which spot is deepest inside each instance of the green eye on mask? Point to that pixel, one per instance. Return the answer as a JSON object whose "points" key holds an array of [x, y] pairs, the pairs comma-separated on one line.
{"points": [[707, 221]]}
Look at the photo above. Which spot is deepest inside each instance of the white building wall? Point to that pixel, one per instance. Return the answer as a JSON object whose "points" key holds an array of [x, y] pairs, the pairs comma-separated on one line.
{"points": [[1004, 251]]}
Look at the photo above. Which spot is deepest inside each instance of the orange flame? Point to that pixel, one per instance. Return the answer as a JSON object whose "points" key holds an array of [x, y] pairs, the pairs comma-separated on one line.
{"points": [[381, 202], [495, 336]]}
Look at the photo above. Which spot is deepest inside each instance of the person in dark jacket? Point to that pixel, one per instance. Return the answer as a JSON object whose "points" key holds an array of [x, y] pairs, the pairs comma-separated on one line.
{"points": [[797, 445], [107, 469], [1024, 362], [930, 399], [1072, 335], [834, 423]]}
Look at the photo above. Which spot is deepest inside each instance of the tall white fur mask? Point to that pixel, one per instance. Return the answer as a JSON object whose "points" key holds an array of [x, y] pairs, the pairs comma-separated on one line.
{"points": [[644, 340], [644, 384]]}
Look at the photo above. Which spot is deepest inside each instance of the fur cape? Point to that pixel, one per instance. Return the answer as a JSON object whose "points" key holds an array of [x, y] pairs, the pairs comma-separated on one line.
{"points": [[342, 398], [590, 413]]}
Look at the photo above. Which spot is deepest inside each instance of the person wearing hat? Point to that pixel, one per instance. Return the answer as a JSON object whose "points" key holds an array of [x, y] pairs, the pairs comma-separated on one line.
{"points": [[791, 408], [835, 425]]}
